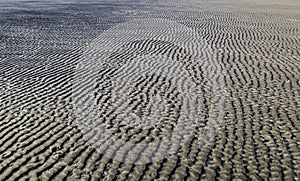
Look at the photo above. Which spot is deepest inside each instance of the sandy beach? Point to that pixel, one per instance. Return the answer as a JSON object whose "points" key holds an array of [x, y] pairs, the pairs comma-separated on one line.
{"points": [[150, 90]]}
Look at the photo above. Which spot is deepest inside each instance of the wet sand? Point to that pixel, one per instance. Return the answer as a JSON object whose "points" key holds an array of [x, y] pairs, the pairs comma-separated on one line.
{"points": [[250, 50]]}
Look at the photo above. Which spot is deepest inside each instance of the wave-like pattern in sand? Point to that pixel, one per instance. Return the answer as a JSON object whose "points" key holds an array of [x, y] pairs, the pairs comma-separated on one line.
{"points": [[255, 45]]}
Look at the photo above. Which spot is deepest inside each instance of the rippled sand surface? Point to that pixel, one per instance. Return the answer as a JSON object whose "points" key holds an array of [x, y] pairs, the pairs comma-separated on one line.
{"points": [[150, 90]]}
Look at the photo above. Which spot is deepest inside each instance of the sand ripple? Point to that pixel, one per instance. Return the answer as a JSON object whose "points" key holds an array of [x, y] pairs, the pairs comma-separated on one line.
{"points": [[254, 44]]}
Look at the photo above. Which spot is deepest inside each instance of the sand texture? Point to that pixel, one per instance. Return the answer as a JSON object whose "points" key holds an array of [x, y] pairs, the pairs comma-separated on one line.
{"points": [[180, 90]]}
